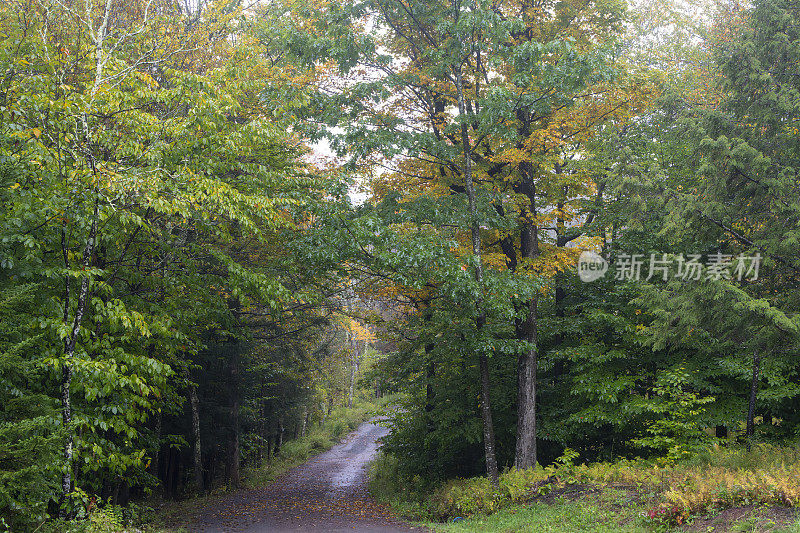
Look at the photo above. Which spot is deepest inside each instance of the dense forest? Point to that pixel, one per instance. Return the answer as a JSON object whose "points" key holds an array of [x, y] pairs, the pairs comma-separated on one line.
{"points": [[550, 227]]}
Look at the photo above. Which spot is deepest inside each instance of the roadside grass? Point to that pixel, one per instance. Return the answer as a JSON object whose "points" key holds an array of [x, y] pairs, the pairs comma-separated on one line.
{"points": [[108, 519], [320, 438], [592, 514], [561, 516], [720, 490]]}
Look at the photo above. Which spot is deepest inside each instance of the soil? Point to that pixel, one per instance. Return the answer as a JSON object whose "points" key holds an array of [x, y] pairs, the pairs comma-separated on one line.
{"points": [[759, 518], [326, 494]]}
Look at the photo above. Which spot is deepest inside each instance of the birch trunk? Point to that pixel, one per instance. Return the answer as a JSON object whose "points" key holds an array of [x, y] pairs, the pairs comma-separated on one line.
{"points": [[281, 430], [69, 353], [304, 422]]}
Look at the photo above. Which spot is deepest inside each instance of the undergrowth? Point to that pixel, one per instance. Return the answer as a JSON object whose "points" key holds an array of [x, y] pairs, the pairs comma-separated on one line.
{"points": [[105, 519], [719, 478]]}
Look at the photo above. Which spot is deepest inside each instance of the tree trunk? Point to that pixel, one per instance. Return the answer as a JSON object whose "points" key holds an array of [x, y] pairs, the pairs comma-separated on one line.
{"points": [[211, 466], [559, 295], [751, 405], [430, 398], [122, 493], [69, 353], [525, 450], [233, 447], [488, 425], [562, 240], [352, 383], [170, 484], [304, 422], [198, 457], [66, 418], [430, 395], [157, 454], [357, 348], [480, 320], [281, 429]]}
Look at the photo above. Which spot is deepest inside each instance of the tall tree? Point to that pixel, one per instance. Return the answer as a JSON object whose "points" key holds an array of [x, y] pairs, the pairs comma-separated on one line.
{"points": [[143, 171], [490, 101]]}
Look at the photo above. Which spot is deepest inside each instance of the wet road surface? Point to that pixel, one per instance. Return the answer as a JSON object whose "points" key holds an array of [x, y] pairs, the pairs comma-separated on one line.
{"points": [[326, 494]]}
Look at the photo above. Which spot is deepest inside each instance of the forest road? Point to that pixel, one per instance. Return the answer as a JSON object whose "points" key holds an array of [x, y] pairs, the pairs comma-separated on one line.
{"points": [[326, 494]]}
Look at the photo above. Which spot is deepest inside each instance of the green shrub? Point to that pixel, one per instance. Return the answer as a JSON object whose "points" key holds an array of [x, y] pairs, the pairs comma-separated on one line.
{"points": [[737, 458], [518, 486], [296, 449], [676, 431], [466, 497], [338, 428], [410, 498], [109, 519], [320, 442], [384, 478]]}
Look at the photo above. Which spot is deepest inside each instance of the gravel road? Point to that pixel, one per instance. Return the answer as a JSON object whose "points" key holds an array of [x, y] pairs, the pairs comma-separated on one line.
{"points": [[326, 494]]}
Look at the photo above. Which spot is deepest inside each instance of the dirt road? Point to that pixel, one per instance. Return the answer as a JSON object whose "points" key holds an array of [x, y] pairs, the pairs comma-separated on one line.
{"points": [[326, 494]]}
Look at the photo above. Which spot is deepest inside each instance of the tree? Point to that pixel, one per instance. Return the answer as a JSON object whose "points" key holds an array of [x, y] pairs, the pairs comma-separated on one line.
{"points": [[492, 102], [142, 172], [744, 197]]}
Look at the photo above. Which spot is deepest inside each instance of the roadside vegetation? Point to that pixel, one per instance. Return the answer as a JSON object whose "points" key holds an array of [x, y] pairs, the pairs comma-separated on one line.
{"points": [[723, 488], [320, 438]]}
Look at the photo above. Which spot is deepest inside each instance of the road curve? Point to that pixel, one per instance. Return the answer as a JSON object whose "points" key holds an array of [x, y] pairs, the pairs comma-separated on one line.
{"points": [[326, 494]]}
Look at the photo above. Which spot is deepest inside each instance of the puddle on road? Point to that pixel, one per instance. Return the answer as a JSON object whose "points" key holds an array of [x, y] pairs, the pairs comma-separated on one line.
{"points": [[351, 473]]}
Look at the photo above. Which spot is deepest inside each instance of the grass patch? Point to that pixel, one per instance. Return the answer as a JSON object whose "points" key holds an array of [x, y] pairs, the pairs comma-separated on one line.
{"points": [[561, 516], [601, 512], [108, 519]]}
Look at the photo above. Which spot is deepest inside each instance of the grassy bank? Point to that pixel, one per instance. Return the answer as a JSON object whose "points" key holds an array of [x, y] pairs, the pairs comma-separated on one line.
{"points": [[720, 490]]}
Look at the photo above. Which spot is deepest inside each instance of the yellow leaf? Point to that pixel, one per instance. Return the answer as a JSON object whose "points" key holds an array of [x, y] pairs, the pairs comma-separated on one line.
{"points": [[36, 132]]}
